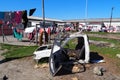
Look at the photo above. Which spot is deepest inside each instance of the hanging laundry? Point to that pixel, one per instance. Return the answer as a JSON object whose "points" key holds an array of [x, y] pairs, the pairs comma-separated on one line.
{"points": [[32, 11], [41, 30], [1, 22], [8, 18], [20, 26], [18, 16], [25, 19], [48, 30], [31, 36], [17, 34], [41, 39], [16, 20], [46, 37]]}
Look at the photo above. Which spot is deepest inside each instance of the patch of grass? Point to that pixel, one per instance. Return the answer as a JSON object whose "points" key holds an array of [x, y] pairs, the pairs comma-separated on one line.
{"points": [[105, 50], [17, 51], [101, 33], [116, 42], [71, 44], [111, 51], [7, 46]]}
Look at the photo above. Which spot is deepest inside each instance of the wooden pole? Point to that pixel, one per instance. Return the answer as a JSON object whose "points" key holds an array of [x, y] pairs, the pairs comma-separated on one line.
{"points": [[2, 33], [43, 13], [111, 16]]}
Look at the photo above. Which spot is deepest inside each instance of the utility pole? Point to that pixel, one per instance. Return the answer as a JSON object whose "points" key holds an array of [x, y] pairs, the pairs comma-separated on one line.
{"points": [[43, 14], [86, 13], [86, 9], [111, 16], [2, 33]]}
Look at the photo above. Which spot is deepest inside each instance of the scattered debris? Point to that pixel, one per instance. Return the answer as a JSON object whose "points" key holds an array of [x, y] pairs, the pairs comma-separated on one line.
{"points": [[25, 66], [118, 55], [5, 77], [74, 78], [99, 70], [102, 43], [44, 65], [97, 61], [75, 69], [87, 65], [36, 66]]}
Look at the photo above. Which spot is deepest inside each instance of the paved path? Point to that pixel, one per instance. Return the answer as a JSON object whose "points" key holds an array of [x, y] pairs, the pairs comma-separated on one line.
{"points": [[110, 36], [11, 40]]}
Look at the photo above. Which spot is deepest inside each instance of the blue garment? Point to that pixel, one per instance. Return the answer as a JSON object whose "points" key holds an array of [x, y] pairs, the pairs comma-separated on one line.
{"points": [[2, 15], [17, 35], [8, 17]]}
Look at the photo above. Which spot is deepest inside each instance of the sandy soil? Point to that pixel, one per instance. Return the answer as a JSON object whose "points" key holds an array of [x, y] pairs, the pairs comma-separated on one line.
{"points": [[26, 69]]}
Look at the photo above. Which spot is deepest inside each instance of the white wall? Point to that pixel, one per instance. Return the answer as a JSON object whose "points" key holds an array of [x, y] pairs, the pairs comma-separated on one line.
{"points": [[33, 23], [95, 27], [114, 24]]}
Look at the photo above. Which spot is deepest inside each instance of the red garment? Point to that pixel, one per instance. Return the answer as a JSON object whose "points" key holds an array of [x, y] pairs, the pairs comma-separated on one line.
{"points": [[18, 17], [1, 22], [31, 36], [41, 30], [48, 30]]}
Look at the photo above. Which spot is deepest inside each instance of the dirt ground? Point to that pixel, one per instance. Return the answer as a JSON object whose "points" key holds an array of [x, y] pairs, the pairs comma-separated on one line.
{"points": [[26, 69]]}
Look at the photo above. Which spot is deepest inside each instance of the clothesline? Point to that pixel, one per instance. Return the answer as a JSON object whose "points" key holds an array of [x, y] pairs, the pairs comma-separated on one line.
{"points": [[16, 20]]}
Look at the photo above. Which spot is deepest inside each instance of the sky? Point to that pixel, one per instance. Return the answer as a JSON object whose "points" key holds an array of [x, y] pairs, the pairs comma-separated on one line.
{"points": [[66, 9]]}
